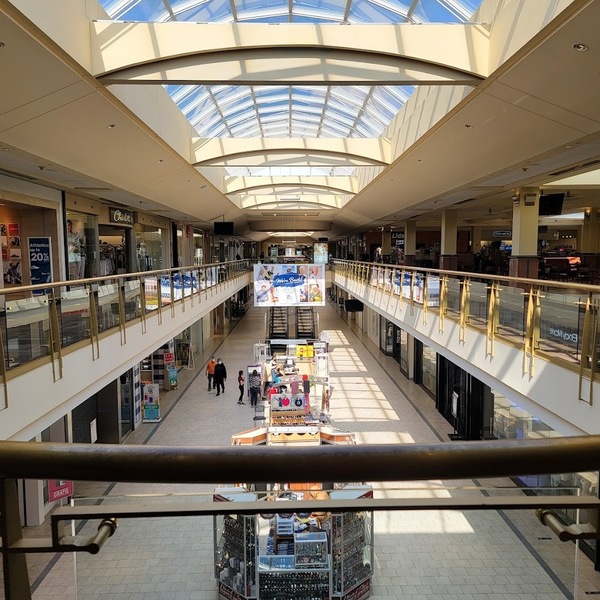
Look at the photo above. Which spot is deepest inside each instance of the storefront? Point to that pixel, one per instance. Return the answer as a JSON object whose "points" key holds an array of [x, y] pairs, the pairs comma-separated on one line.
{"points": [[100, 240], [29, 233], [116, 239], [426, 368], [82, 245], [151, 242], [394, 342], [464, 401]]}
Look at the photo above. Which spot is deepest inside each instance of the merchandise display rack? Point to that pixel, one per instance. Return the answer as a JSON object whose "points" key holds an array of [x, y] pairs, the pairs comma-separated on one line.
{"points": [[267, 558]]}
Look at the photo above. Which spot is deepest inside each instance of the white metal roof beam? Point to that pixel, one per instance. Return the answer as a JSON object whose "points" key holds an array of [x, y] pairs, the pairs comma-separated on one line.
{"points": [[340, 185], [260, 151], [234, 52]]}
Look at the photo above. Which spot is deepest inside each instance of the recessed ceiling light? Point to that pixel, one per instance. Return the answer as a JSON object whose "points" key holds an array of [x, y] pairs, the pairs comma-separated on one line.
{"points": [[420, 160], [111, 126], [2, 44], [580, 47], [469, 126], [7, 149], [160, 160], [569, 146]]}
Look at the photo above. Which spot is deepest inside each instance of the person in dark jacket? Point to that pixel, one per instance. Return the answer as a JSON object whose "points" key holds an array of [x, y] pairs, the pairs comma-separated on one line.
{"points": [[219, 376]]}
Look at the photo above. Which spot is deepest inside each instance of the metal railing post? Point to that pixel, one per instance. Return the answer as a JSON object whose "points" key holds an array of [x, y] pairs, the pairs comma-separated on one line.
{"points": [[16, 576]]}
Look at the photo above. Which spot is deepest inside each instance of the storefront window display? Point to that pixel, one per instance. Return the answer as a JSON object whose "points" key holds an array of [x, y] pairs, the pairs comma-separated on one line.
{"points": [[429, 366], [198, 242], [82, 245], [404, 352], [149, 248]]}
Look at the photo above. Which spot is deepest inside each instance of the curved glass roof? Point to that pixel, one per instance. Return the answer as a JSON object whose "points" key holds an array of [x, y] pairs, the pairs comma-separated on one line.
{"points": [[293, 11], [291, 111]]}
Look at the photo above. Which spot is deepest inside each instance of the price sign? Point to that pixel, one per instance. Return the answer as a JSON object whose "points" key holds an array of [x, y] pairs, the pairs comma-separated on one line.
{"points": [[40, 261]]}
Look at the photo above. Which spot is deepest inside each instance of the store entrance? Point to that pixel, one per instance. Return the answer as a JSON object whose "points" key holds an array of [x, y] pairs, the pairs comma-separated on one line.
{"points": [[113, 251]]}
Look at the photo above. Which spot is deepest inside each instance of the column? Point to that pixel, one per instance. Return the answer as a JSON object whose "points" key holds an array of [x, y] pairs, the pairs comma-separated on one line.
{"points": [[524, 261], [448, 257], [590, 233], [410, 242]]}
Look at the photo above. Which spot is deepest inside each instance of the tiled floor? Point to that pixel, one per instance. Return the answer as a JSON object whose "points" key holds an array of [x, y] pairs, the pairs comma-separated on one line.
{"points": [[492, 555]]}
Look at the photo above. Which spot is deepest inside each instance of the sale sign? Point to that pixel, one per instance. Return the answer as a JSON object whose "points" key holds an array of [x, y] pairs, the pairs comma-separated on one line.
{"points": [[40, 261]]}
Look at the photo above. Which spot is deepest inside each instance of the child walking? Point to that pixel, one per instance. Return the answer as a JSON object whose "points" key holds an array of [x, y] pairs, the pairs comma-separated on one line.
{"points": [[241, 381]]}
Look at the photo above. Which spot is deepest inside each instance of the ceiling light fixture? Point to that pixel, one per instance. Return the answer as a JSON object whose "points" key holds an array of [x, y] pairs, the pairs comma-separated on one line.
{"points": [[469, 126], [580, 47], [111, 126]]}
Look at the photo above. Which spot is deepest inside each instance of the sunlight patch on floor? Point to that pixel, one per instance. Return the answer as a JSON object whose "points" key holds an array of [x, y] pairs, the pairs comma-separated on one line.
{"points": [[426, 521]]}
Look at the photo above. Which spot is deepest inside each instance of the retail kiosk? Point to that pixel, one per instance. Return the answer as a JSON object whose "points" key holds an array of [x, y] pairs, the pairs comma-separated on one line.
{"points": [[301, 556]]}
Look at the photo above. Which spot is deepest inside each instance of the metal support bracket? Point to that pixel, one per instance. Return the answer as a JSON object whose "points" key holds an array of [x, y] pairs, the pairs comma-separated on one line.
{"points": [[566, 533]]}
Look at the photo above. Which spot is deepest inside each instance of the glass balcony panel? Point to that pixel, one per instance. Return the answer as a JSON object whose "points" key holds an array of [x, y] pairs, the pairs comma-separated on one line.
{"points": [[433, 291], [74, 315], [27, 327], [511, 313], [478, 304], [133, 291], [108, 306], [562, 317], [151, 293], [453, 297]]}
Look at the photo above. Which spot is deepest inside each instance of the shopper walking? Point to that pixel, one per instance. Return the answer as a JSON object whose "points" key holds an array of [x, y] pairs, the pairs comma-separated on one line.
{"points": [[254, 384], [210, 372], [219, 377], [241, 381]]}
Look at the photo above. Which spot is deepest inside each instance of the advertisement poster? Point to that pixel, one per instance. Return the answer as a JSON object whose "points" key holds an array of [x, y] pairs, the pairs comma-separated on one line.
{"points": [[40, 263], [289, 285], [321, 253], [13, 273], [151, 405]]}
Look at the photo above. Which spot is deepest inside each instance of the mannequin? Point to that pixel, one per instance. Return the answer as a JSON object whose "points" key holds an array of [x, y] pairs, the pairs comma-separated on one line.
{"points": [[75, 255]]}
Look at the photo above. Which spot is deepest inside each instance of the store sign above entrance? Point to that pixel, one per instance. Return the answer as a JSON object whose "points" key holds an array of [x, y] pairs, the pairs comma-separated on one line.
{"points": [[123, 217], [503, 234]]}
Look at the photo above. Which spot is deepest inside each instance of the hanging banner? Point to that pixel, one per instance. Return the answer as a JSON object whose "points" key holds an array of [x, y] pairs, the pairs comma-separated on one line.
{"points": [[289, 285]]}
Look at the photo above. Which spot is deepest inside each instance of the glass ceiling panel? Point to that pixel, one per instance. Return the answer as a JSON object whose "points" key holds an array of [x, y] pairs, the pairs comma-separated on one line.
{"points": [[291, 111], [308, 111], [294, 11]]}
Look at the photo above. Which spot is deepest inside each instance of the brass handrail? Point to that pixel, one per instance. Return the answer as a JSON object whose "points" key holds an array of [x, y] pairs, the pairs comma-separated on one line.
{"points": [[263, 464]]}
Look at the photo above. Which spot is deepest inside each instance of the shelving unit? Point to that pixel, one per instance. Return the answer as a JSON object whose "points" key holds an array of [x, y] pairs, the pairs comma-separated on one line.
{"points": [[235, 548]]}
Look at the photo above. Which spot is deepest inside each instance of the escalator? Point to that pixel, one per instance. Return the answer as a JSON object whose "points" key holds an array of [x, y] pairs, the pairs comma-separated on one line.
{"points": [[305, 322], [278, 323]]}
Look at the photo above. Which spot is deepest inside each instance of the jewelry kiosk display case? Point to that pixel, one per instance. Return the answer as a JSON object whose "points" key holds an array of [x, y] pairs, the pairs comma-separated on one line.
{"points": [[294, 556], [235, 548]]}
